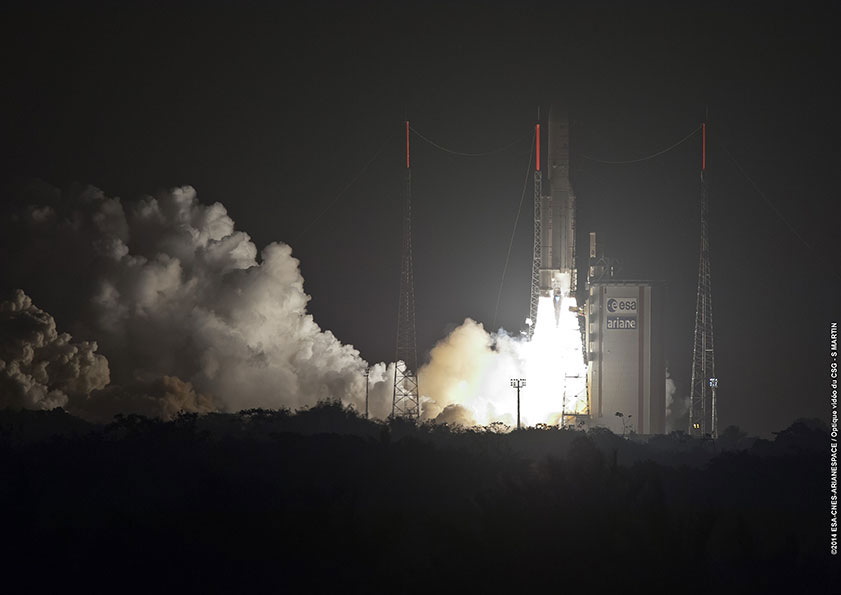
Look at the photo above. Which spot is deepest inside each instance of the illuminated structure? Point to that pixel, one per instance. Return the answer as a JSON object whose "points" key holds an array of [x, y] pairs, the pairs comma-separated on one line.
{"points": [[626, 373], [537, 249]]}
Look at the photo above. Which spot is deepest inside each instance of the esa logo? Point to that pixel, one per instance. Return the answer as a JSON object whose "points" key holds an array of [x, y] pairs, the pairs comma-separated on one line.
{"points": [[621, 305]]}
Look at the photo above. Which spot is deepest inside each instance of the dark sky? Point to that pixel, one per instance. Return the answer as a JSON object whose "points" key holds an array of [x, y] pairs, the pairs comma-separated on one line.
{"points": [[273, 108]]}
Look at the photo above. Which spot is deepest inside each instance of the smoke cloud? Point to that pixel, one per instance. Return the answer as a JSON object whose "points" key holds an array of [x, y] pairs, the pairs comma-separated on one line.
{"points": [[456, 415], [380, 390], [191, 317], [164, 397], [677, 408], [41, 368], [471, 368], [179, 301]]}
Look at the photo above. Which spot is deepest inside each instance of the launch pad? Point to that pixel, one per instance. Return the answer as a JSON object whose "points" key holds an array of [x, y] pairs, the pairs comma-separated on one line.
{"points": [[593, 354]]}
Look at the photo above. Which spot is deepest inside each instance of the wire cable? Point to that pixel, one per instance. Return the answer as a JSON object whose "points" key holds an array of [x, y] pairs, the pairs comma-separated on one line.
{"points": [[340, 194], [652, 156], [810, 247], [462, 154], [513, 232], [764, 197]]}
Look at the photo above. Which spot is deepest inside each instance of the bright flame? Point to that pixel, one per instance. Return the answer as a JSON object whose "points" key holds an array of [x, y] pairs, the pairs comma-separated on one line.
{"points": [[473, 369], [554, 365]]}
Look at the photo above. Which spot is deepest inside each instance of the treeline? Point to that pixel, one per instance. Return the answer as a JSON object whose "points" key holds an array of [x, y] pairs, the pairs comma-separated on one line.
{"points": [[323, 500]]}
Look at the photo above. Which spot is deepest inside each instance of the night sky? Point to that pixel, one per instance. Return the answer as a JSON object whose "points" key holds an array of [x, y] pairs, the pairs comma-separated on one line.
{"points": [[273, 108]]}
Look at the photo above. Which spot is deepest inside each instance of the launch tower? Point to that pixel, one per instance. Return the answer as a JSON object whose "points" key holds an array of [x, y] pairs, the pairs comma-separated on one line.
{"points": [[406, 397], [537, 253], [703, 415]]}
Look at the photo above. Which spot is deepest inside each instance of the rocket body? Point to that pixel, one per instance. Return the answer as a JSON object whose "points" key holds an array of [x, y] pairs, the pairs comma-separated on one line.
{"points": [[557, 215]]}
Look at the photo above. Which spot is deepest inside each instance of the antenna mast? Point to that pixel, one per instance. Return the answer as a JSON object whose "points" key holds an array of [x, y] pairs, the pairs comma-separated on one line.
{"points": [[703, 413], [406, 400]]}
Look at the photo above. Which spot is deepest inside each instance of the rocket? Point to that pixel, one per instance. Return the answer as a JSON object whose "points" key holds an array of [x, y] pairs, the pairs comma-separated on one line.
{"points": [[557, 216]]}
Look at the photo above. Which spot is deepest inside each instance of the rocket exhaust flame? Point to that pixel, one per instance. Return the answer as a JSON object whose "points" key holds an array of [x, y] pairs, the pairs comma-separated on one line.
{"points": [[472, 368], [555, 362]]}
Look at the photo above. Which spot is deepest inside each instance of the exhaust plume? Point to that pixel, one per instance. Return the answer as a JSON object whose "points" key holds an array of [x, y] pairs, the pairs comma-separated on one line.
{"points": [[471, 368]]}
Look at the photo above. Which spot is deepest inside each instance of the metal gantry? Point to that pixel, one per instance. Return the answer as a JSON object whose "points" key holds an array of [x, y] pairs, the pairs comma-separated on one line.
{"points": [[406, 397], [703, 413], [535, 261]]}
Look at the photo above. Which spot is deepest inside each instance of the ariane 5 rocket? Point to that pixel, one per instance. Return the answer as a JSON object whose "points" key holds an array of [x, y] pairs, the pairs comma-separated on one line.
{"points": [[557, 217]]}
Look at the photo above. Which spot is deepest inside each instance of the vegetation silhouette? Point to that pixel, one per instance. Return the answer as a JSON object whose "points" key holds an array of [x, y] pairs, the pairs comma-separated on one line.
{"points": [[323, 500]]}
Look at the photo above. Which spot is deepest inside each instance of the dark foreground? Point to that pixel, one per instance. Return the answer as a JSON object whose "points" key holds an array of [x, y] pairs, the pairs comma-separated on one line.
{"points": [[325, 502]]}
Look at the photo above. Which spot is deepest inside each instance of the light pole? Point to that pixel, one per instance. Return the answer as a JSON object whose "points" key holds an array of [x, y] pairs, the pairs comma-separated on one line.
{"points": [[714, 424], [365, 373], [518, 383]]}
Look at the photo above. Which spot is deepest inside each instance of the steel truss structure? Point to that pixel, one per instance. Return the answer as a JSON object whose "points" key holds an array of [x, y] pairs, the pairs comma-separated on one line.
{"points": [[406, 397]]}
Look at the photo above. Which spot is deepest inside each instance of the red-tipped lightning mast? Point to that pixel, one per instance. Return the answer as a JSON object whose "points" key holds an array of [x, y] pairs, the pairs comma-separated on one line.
{"points": [[406, 395], [703, 411]]}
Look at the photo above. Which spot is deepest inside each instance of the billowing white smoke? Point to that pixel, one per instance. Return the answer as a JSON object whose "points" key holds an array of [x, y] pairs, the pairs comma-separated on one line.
{"points": [[380, 389], [41, 368], [191, 319], [472, 369], [671, 389], [169, 288], [676, 407]]}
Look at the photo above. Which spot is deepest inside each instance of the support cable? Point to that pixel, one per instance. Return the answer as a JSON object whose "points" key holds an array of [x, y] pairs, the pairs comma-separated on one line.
{"points": [[462, 154], [652, 156], [347, 187], [764, 197], [779, 214], [513, 232]]}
